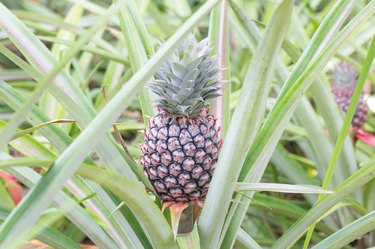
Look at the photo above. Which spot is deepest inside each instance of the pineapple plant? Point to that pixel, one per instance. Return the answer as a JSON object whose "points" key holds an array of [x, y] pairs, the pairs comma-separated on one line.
{"points": [[344, 79], [182, 142]]}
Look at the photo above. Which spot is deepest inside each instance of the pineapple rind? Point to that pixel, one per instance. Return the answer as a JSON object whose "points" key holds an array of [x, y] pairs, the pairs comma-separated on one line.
{"points": [[179, 155]]}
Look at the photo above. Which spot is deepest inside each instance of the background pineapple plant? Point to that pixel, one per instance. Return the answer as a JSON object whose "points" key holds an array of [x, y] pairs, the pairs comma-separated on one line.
{"points": [[344, 79], [274, 111]]}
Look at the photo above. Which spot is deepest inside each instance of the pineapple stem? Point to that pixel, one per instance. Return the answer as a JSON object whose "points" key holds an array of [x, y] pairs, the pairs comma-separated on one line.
{"points": [[176, 209], [186, 223]]}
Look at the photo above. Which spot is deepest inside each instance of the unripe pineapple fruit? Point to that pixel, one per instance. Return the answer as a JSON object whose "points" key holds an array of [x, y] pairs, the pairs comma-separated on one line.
{"points": [[182, 141], [344, 80]]}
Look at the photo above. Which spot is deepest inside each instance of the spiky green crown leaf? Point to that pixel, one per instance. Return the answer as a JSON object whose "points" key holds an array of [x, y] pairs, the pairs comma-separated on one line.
{"points": [[344, 76], [187, 80]]}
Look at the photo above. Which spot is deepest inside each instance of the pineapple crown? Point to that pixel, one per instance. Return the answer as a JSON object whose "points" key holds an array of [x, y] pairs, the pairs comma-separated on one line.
{"points": [[187, 80], [344, 76]]}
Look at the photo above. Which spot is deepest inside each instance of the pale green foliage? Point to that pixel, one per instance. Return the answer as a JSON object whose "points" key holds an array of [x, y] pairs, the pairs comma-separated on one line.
{"points": [[187, 80]]}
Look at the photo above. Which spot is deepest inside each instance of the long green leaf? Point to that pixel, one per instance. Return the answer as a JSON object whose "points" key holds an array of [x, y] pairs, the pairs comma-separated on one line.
{"points": [[61, 140], [19, 116], [356, 181], [328, 108], [347, 122], [137, 51], [304, 80], [134, 197], [277, 187], [50, 236], [66, 204], [282, 110], [47, 103], [115, 225], [349, 233], [34, 128], [267, 139], [321, 148], [243, 128], [219, 38], [328, 28], [122, 187], [89, 48], [64, 89], [94, 8], [247, 241], [57, 22]]}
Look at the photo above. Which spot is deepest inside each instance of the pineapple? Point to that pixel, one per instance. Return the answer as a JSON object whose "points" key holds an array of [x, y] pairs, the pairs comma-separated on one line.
{"points": [[182, 142], [344, 79]]}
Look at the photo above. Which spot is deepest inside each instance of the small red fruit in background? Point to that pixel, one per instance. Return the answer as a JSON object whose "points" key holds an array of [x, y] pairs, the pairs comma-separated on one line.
{"points": [[12, 185]]}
